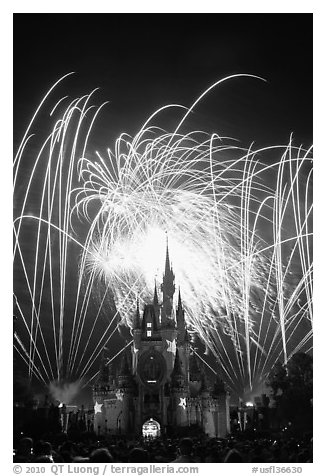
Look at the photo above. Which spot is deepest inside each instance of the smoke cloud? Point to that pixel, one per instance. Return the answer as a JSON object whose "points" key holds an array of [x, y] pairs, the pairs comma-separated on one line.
{"points": [[64, 392]]}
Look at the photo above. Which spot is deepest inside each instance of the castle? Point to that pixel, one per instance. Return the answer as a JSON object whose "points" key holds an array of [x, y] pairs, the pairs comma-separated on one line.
{"points": [[159, 386]]}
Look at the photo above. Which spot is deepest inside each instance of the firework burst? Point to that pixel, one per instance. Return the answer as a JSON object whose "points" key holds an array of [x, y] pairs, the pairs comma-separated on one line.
{"points": [[240, 249]]}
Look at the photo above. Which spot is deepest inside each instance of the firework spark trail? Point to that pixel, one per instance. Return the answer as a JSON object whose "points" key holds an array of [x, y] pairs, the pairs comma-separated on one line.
{"points": [[210, 196], [307, 274], [114, 221], [107, 363], [287, 307], [94, 324], [32, 341], [301, 227], [37, 317], [55, 192], [203, 360], [47, 187], [246, 251], [100, 345], [222, 265], [25, 137], [27, 359]]}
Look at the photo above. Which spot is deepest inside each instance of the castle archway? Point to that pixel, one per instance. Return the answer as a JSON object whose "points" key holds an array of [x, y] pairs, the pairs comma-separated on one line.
{"points": [[151, 428]]}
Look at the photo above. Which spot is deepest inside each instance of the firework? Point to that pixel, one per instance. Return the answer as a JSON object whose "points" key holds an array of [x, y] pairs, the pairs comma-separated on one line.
{"points": [[238, 232]]}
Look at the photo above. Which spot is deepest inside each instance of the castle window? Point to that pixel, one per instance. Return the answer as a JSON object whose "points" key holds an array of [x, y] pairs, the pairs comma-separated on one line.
{"points": [[149, 324], [149, 333]]}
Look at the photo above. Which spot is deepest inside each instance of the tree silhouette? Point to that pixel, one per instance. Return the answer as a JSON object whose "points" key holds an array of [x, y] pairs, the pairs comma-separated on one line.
{"points": [[292, 390]]}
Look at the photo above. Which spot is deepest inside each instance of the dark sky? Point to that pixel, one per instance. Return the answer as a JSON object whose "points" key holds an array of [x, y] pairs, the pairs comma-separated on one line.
{"points": [[141, 62]]}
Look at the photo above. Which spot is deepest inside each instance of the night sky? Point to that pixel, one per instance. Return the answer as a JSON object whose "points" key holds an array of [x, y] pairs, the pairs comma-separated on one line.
{"points": [[141, 62]]}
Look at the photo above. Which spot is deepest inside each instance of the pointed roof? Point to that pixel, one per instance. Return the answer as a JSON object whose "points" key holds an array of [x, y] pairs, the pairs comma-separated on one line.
{"points": [[150, 315], [168, 289], [168, 272], [167, 257], [181, 323], [136, 322], [177, 370], [155, 300], [179, 300]]}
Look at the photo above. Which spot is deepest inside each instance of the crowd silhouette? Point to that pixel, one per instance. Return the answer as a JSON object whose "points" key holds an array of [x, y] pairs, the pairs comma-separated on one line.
{"points": [[88, 447]]}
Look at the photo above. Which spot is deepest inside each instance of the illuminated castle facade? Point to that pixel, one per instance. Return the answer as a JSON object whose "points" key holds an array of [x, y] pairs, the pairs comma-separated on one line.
{"points": [[160, 385]]}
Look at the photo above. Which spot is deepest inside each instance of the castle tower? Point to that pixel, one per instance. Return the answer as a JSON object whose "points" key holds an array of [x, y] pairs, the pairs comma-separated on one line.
{"points": [[150, 323], [195, 373], [168, 289], [103, 378], [125, 393], [207, 408], [222, 398], [156, 304], [136, 332], [100, 390], [136, 321], [181, 323], [182, 338], [179, 390]]}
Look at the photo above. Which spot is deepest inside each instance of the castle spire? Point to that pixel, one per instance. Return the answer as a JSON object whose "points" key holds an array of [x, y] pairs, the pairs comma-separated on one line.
{"points": [[167, 257], [155, 300], [181, 323], [179, 300], [167, 288], [177, 370], [177, 375], [136, 323]]}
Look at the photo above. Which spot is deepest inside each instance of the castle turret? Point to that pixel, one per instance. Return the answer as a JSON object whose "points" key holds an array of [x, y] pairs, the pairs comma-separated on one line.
{"points": [[168, 289], [181, 323], [177, 375], [125, 376], [179, 394], [103, 377], [195, 371], [100, 390], [155, 299], [136, 332], [150, 323], [136, 321], [183, 341], [222, 399], [125, 394]]}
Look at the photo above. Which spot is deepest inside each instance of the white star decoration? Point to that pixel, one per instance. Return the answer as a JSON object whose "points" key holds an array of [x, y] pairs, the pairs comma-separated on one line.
{"points": [[171, 346], [183, 403], [98, 407], [119, 395]]}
